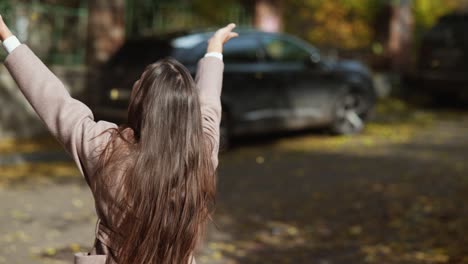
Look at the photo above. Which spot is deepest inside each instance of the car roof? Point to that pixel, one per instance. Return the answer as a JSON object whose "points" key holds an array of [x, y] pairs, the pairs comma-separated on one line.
{"points": [[188, 39], [203, 33], [181, 44]]}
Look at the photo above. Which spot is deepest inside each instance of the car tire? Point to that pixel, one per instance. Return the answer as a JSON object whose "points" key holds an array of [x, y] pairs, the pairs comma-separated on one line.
{"points": [[350, 111]]}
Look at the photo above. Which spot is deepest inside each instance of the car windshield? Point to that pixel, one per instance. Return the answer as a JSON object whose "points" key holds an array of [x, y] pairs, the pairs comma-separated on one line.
{"points": [[279, 49], [146, 50], [188, 42], [244, 49], [449, 30]]}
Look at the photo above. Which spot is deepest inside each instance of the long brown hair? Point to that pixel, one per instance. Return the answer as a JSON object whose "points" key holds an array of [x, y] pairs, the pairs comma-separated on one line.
{"points": [[159, 206]]}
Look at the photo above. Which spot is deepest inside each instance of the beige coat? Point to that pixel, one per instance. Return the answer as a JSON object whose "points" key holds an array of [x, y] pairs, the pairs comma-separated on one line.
{"points": [[72, 122]]}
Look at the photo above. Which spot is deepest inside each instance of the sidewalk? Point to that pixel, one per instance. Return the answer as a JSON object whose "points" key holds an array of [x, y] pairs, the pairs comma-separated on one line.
{"points": [[394, 194], [40, 159]]}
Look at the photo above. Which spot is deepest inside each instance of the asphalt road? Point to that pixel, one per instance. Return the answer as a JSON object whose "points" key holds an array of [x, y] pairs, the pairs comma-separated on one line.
{"points": [[395, 194]]}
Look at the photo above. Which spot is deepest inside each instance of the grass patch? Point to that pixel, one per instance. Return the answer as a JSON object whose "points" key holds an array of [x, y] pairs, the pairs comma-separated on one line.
{"points": [[40, 172], [10, 146]]}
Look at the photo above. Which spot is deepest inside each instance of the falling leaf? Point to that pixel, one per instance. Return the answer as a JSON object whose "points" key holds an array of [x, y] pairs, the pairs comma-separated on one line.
{"points": [[75, 247], [78, 203], [355, 230], [50, 251], [260, 160]]}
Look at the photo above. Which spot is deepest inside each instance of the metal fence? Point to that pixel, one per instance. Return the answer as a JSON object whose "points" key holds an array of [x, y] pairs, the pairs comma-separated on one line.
{"points": [[56, 33], [147, 17]]}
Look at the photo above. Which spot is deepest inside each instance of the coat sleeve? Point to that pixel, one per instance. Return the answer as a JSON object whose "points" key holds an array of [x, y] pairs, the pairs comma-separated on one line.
{"points": [[209, 79], [69, 120]]}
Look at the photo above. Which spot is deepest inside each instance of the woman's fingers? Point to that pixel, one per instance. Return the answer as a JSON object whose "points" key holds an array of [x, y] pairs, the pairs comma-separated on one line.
{"points": [[230, 36], [231, 26], [225, 33], [2, 23], [227, 28], [4, 31], [222, 35]]}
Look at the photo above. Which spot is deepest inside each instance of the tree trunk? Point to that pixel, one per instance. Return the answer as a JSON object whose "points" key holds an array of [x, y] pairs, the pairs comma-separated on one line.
{"points": [[268, 15], [106, 33], [106, 29], [400, 39]]}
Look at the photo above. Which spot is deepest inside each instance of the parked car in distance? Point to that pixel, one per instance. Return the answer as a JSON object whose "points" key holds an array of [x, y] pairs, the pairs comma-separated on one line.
{"points": [[272, 82], [442, 64]]}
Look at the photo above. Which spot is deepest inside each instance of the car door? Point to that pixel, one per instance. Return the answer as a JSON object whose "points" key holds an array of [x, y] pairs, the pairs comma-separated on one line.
{"points": [[306, 84], [248, 96]]}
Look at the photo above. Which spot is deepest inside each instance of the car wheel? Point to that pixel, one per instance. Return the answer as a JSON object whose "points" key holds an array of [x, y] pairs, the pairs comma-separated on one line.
{"points": [[224, 132], [349, 112]]}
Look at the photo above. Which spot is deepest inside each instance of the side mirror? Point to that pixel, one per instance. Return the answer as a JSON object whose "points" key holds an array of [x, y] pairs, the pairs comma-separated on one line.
{"points": [[313, 60], [315, 57]]}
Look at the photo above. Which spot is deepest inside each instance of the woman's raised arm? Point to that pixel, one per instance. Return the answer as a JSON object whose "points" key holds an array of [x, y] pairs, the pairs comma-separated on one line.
{"points": [[209, 80], [69, 120]]}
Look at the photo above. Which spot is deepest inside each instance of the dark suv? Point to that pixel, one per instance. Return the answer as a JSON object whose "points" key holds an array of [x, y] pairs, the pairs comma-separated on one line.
{"points": [[442, 64], [271, 82]]}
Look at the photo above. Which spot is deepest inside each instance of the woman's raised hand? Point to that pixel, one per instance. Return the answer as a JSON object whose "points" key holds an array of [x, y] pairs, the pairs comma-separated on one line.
{"points": [[223, 35], [4, 30]]}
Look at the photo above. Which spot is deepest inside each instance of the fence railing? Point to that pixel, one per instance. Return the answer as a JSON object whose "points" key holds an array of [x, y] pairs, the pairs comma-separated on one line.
{"points": [[56, 33], [152, 17]]}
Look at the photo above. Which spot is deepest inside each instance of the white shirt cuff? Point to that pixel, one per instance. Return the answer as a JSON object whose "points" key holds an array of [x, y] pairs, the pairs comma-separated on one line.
{"points": [[214, 54], [11, 43]]}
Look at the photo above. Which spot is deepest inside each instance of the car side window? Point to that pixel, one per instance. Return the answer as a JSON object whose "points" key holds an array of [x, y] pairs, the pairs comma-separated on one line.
{"points": [[242, 50], [283, 50]]}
